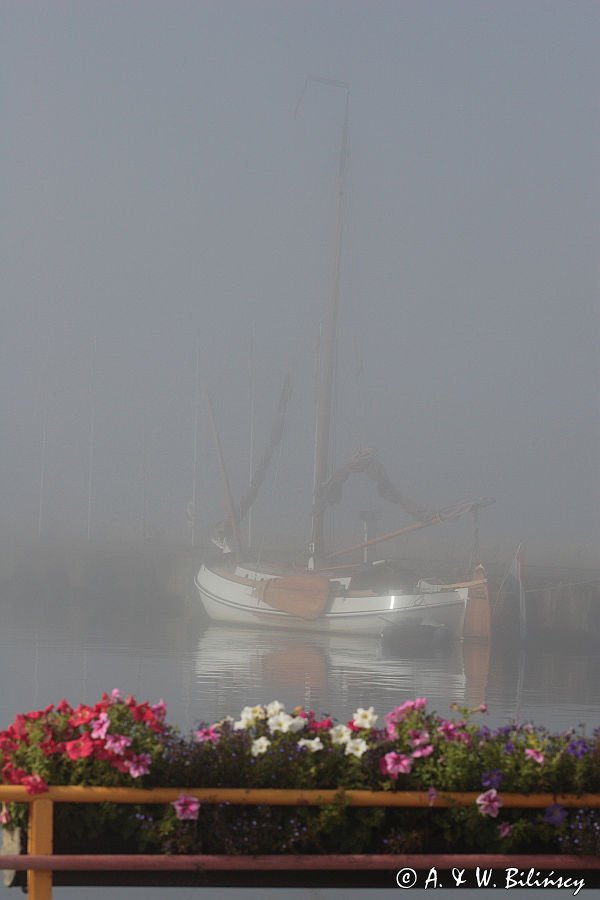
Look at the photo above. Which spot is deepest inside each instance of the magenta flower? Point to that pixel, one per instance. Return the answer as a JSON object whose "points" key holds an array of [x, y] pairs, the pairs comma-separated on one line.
{"points": [[139, 765], [536, 755], [207, 734], [417, 738], [489, 803], [4, 815], [422, 751], [186, 807], [448, 729], [504, 829], [432, 795], [394, 764], [160, 710]]}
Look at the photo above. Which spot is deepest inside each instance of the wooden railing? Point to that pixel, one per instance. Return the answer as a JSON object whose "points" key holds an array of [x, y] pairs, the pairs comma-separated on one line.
{"points": [[40, 862]]}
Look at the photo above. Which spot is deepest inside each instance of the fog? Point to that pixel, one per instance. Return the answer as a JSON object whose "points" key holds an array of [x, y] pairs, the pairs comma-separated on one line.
{"points": [[167, 227]]}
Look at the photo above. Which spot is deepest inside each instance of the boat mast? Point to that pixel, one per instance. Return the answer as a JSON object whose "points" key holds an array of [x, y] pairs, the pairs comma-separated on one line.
{"points": [[327, 363]]}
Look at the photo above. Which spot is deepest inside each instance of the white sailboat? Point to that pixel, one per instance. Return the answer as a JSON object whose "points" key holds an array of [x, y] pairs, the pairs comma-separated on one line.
{"points": [[365, 600]]}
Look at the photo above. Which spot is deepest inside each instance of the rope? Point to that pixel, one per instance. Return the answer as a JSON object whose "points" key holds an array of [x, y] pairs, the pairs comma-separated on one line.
{"points": [[558, 587]]}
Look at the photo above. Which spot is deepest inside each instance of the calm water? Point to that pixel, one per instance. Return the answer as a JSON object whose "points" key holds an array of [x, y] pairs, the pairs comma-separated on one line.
{"points": [[51, 648]]}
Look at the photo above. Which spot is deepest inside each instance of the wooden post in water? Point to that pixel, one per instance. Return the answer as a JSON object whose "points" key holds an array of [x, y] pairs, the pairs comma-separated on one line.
{"points": [[39, 842], [478, 617]]}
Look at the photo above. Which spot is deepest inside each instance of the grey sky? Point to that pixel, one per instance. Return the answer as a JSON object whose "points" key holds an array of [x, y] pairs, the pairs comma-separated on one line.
{"points": [[158, 194]]}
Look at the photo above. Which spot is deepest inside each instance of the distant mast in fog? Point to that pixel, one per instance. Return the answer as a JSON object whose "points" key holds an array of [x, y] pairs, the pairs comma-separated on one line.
{"points": [[327, 360]]}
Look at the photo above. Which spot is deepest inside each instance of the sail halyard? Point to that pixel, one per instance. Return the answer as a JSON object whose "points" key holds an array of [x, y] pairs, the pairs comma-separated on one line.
{"points": [[327, 361]]}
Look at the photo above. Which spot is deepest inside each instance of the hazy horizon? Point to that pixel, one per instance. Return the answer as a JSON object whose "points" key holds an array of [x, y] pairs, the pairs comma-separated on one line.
{"points": [[162, 199]]}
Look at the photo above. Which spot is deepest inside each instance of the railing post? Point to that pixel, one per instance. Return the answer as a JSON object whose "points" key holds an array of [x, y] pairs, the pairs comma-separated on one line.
{"points": [[39, 842]]}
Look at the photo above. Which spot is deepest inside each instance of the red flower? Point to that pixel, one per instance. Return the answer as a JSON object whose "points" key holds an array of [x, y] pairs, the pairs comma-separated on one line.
{"points": [[323, 725], [64, 707], [34, 784], [81, 716], [49, 746], [79, 749], [19, 727], [11, 775], [6, 742]]}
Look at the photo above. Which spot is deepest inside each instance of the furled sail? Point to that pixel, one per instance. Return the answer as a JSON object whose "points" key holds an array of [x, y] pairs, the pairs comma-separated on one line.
{"points": [[364, 462]]}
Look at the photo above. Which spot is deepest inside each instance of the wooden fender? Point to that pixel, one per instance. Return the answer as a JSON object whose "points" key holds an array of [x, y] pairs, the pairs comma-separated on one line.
{"points": [[304, 596], [478, 617]]}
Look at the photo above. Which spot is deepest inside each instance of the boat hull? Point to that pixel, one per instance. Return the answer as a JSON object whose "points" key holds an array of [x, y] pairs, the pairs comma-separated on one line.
{"points": [[237, 600]]}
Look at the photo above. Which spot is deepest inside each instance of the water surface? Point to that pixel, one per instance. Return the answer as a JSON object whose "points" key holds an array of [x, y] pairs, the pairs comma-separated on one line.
{"points": [[77, 650]]}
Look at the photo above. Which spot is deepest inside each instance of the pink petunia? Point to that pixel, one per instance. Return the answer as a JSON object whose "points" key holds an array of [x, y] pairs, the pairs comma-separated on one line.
{"points": [[536, 755], [117, 743], [504, 829], [394, 764], [100, 726], [5, 817], [489, 803], [186, 807], [399, 713], [139, 765]]}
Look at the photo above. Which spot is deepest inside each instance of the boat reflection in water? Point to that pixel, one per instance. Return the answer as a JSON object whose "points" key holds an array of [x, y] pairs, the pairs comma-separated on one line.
{"points": [[334, 674]]}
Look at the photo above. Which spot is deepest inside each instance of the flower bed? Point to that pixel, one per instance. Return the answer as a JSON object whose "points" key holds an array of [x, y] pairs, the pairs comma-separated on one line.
{"points": [[120, 742]]}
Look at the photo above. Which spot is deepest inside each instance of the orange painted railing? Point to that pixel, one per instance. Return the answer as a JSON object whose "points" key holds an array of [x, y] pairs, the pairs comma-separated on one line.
{"points": [[40, 861]]}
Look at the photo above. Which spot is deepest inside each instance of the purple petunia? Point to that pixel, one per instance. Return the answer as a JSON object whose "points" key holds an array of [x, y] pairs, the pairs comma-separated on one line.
{"points": [[492, 779], [578, 748], [555, 814]]}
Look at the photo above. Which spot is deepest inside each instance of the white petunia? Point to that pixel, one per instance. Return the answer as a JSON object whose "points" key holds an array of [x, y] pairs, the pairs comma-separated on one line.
{"points": [[260, 745], [364, 718], [283, 722], [313, 746], [275, 707], [279, 722], [356, 747], [249, 717], [340, 734]]}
